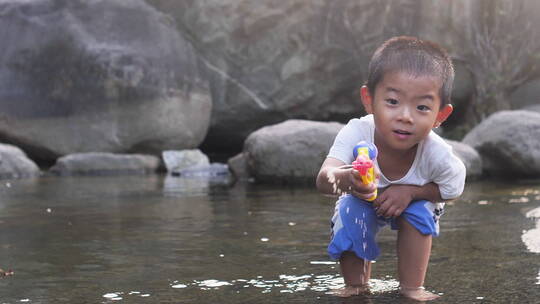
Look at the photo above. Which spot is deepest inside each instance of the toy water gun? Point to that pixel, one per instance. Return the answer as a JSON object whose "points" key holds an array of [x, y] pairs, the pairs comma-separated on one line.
{"points": [[365, 153]]}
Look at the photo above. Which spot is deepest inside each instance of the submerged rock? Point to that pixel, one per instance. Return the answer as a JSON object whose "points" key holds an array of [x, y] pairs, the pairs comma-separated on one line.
{"points": [[194, 164], [289, 151], [509, 143], [98, 163], [15, 164], [175, 161], [211, 170]]}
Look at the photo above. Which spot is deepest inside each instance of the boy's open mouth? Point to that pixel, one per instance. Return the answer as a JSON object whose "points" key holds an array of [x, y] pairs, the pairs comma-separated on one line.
{"points": [[402, 132]]}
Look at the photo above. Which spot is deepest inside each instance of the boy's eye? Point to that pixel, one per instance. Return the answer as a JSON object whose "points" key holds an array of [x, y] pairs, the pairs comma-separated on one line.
{"points": [[423, 108], [391, 101]]}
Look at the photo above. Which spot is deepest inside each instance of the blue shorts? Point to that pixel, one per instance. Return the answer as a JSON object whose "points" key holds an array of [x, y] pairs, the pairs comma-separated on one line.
{"points": [[355, 225]]}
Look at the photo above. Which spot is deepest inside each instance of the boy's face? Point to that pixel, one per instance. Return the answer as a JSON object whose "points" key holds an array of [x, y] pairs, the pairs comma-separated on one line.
{"points": [[405, 109]]}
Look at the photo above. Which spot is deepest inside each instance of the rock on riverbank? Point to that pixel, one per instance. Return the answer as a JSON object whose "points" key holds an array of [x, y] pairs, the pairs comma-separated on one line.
{"points": [[469, 156], [15, 164], [99, 163], [294, 150], [509, 143], [92, 75], [289, 151]]}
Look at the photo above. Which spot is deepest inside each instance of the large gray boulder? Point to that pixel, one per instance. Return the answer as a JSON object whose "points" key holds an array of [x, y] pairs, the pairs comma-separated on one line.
{"points": [[99, 163], [98, 75], [269, 61], [289, 151], [15, 164], [469, 156], [509, 143]]}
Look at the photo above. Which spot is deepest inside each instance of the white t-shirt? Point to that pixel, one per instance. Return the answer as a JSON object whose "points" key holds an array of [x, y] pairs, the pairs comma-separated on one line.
{"points": [[434, 161]]}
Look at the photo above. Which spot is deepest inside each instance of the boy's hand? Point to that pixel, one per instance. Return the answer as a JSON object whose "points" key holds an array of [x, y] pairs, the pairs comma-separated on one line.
{"points": [[393, 201], [359, 189]]}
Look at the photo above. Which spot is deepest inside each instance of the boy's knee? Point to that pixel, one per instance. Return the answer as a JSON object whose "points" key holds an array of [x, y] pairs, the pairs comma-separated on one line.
{"points": [[403, 224]]}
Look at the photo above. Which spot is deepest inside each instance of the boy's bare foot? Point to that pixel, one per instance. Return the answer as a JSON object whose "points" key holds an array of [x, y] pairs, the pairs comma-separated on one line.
{"points": [[350, 290], [417, 293]]}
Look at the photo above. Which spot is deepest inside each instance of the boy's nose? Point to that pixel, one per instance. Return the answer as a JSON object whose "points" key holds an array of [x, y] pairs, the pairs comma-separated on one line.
{"points": [[405, 114]]}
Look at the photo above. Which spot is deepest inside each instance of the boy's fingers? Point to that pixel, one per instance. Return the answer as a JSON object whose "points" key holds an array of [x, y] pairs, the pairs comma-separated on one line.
{"points": [[388, 210], [359, 186], [362, 195], [393, 212], [381, 210], [378, 201]]}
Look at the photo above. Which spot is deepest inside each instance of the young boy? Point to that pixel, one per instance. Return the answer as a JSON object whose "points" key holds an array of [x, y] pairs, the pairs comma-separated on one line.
{"points": [[406, 95]]}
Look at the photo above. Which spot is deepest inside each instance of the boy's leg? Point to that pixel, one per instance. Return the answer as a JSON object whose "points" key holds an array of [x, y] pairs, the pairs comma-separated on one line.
{"points": [[355, 226], [355, 271], [413, 250]]}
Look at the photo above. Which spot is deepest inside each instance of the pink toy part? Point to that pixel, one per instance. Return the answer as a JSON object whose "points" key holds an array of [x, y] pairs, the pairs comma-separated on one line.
{"points": [[362, 164]]}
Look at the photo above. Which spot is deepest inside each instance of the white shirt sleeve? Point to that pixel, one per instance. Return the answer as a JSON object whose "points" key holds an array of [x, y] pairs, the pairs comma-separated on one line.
{"points": [[353, 132], [449, 174]]}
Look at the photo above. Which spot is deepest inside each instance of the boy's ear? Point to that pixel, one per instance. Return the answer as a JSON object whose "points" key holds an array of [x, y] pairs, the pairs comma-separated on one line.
{"points": [[443, 114], [367, 101]]}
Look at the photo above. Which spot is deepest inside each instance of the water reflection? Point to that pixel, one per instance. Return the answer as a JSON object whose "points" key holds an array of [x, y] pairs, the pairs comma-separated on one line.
{"points": [[531, 237], [281, 284], [166, 239]]}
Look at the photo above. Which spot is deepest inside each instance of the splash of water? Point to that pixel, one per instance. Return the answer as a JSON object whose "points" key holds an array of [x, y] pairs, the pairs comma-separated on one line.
{"points": [[288, 283], [531, 237], [119, 295], [114, 296], [284, 283], [323, 263], [519, 200]]}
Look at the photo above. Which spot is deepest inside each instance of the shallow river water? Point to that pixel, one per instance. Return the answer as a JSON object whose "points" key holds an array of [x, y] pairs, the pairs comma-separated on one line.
{"points": [[159, 239]]}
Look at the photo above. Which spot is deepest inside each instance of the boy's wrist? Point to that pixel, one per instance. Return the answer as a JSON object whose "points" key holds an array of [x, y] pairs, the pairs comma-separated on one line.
{"points": [[415, 192], [337, 180], [343, 178]]}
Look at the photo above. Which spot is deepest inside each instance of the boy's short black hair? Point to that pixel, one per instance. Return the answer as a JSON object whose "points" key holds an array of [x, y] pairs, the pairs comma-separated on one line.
{"points": [[414, 56]]}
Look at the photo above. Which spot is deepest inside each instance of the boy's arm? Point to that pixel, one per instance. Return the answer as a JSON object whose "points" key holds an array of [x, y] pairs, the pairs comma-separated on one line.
{"points": [[394, 199], [335, 178]]}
